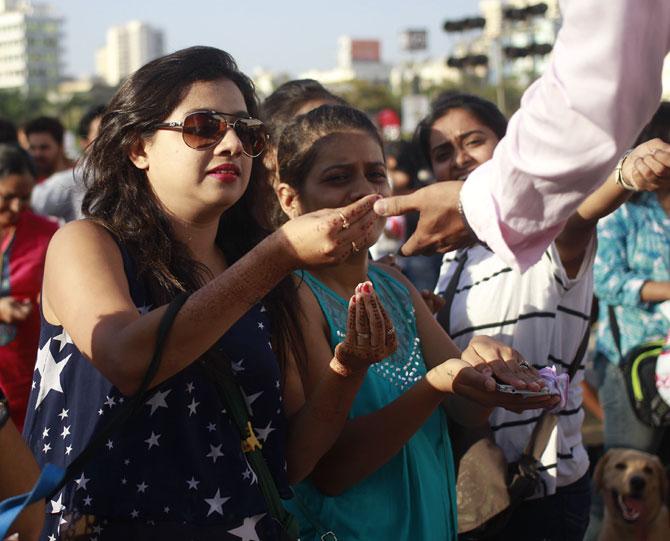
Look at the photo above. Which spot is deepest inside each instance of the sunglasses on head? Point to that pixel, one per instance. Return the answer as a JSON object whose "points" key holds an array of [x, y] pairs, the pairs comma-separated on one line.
{"points": [[204, 129]]}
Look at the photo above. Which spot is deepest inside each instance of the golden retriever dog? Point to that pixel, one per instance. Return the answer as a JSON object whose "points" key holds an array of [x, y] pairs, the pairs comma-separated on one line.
{"points": [[634, 486]]}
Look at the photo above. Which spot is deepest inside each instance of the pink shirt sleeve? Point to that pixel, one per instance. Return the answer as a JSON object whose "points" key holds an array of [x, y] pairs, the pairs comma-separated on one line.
{"points": [[602, 85]]}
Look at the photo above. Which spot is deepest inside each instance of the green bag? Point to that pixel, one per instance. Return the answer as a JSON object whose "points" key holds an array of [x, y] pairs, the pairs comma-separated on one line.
{"points": [[638, 367]]}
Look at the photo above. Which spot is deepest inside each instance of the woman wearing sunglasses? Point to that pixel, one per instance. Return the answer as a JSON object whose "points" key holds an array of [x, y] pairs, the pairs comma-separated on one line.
{"points": [[172, 182]]}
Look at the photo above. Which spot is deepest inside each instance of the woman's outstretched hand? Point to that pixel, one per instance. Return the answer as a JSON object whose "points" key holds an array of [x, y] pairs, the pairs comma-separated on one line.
{"points": [[328, 236], [370, 334], [484, 363]]}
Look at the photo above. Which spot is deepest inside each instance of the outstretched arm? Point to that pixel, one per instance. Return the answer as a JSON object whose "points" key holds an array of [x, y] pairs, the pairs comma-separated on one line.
{"points": [[647, 168], [600, 88], [598, 91]]}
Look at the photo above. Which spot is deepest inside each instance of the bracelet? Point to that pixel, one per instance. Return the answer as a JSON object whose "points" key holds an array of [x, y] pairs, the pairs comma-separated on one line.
{"points": [[337, 366], [619, 178]]}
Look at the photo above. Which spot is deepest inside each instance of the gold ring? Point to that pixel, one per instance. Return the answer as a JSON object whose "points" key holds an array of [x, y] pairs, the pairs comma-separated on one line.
{"points": [[354, 247], [345, 222]]}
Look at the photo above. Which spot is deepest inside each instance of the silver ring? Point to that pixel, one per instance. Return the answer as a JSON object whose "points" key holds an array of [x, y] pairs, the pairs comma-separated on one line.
{"points": [[524, 364], [345, 222], [354, 247]]}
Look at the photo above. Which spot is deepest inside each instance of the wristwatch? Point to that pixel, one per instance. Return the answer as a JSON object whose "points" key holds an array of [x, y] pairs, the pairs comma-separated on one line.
{"points": [[4, 410]]}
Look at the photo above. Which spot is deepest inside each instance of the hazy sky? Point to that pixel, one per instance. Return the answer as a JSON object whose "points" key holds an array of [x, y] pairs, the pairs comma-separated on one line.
{"points": [[291, 35]]}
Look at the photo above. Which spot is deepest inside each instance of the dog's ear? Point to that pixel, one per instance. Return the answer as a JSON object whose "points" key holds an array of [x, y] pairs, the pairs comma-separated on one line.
{"points": [[600, 470], [662, 476]]}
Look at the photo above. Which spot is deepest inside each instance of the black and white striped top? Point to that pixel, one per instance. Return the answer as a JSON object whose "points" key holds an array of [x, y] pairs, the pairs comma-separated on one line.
{"points": [[543, 314]]}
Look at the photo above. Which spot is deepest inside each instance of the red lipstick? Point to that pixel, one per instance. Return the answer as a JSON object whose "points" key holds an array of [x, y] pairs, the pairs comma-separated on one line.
{"points": [[226, 172]]}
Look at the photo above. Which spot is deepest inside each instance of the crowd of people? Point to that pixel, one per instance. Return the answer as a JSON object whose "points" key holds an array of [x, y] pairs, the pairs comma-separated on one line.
{"points": [[217, 322]]}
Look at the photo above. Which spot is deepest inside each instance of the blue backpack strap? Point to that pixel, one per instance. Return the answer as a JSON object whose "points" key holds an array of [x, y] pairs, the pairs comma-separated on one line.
{"points": [[51, 477]]}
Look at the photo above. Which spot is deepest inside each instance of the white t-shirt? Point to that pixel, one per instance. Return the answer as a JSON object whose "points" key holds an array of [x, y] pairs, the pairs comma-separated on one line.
{"points": [[543, 314]]}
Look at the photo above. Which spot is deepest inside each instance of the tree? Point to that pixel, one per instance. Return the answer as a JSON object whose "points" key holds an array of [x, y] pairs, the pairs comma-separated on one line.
{"points": [[370, 97]]}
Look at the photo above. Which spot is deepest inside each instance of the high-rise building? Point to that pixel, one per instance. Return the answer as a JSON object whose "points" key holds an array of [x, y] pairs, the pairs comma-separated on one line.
{"points": [[128, 47], [30, 46]]}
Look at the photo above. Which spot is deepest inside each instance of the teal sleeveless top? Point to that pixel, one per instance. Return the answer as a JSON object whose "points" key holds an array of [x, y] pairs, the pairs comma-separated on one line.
{"points": [[413, 496]]}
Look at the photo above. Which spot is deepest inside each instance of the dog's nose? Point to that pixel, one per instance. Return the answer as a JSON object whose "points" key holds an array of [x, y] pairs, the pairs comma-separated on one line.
{"points": [[637, 483]]}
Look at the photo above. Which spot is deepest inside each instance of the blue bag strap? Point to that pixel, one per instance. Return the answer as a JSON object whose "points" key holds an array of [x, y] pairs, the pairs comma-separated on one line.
{"points": [[50, 478], [54, 478]]}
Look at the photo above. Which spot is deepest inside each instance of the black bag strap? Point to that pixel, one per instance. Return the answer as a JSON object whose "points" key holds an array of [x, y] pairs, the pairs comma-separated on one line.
{"points": [[614, 328], [231, 395], [135, 403], [444, 315]]}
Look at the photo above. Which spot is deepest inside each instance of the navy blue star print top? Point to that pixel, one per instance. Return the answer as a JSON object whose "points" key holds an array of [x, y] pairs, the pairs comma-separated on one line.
{"points": [[177, 465]]}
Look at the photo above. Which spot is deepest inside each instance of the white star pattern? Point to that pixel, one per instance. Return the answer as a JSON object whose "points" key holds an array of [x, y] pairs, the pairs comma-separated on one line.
{"points": [[64, 339], [66, 431], [193, 484], [88, 500], [110, 444], [144, 309], [52, 538], [47, 448], [192, 407], [33, 385], [45, 433], [158, 401], [261, 326], [250, 399], [211, 427], [250, 475], [134, 513], [216, 503], [100, 412], [50, 371], [247, 532], [110, 401], [127, 460], [238, 366], [214, 453], [166, 509], [263, 433], [190, 387], [153, 440], [63, 414], [68, 449], [124, 481], [57, 505], [81, 482], [142, 487]]}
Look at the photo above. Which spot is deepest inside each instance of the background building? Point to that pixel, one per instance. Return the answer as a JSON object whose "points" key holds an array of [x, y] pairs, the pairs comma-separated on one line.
{"points": [[30, 47], [357, 59], [128, 47]]}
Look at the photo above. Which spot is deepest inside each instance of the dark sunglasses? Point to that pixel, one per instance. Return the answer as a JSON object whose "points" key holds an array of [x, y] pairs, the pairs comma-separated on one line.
{"points": [[204, 129]]}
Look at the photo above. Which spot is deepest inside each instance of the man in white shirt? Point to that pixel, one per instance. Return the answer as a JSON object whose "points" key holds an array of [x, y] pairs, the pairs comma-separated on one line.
{"points": [[602, 85]]}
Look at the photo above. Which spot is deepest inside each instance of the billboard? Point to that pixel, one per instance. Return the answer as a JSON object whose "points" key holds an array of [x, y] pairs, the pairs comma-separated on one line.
{"points": [[414, 40], [365, 50]]}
